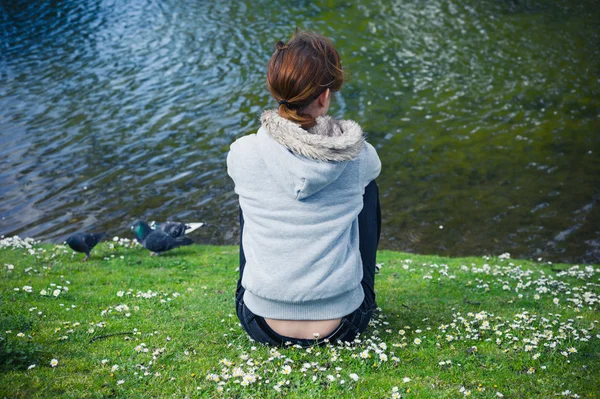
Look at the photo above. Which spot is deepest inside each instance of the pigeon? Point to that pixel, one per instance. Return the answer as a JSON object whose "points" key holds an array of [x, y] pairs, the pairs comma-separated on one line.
{"points": [[84, 242], [156, 241], [176, 229]]}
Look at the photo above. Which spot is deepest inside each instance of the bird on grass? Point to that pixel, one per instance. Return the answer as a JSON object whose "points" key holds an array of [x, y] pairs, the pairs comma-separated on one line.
{"points": [[176, 229], [156, 241], [84, 242]]}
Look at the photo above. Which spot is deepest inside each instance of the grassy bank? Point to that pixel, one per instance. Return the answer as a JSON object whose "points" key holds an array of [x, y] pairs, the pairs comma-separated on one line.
{"points": [[127, 325]]}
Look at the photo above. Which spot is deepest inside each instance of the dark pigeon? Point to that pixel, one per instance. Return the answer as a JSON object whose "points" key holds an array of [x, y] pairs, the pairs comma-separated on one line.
{"points": [[176, 229], [157, 241], [84, 242]]}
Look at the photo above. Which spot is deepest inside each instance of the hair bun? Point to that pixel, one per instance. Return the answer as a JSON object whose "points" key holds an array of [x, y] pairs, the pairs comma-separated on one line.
{"points": [[280, 46]]}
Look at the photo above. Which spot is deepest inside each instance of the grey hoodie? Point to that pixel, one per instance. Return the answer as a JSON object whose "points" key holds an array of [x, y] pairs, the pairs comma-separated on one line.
{"points": [[301, 193]]}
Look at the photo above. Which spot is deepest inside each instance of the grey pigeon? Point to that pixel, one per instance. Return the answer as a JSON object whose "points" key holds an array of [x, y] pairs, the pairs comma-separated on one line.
{"points": [[84, 242], [156, 241], [176, 229]]}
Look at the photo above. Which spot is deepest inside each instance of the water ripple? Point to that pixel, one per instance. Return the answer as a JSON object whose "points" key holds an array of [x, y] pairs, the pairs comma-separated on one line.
{"points": [[485, 115]]}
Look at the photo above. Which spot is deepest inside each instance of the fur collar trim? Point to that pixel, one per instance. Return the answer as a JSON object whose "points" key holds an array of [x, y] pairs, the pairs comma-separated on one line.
{"points": [[329, 140]]}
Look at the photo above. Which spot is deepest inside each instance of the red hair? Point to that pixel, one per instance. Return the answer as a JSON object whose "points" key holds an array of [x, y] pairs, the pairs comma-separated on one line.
{"points": [[300, 71]]}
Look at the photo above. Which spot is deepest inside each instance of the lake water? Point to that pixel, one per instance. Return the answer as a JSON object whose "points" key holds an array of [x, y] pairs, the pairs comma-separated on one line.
{"points": [[486, 115]]}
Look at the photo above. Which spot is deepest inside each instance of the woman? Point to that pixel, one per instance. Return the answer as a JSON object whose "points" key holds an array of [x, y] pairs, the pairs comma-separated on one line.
{"points": [[309, 208]]}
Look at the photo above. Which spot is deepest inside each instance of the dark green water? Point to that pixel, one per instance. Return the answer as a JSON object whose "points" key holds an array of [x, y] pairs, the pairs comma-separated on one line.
{"points": [[486, 115]]}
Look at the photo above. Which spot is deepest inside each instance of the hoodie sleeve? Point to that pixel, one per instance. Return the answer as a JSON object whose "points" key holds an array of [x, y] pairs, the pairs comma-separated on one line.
{"points": [[370, 165], [230, 162]]}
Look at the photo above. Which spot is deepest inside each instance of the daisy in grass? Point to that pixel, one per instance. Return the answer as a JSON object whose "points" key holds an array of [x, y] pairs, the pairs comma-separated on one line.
{"points": [[238, 372], [53, 362]]}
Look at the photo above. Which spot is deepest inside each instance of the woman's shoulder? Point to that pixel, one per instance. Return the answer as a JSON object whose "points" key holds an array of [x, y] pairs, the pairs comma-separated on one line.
{"points": [[369, 152], [244, 141], [243, 147], [241, 152]]}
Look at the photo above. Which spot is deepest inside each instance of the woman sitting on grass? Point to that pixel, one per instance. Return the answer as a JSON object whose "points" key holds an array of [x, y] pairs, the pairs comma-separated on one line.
{"points": [[309, 207]]}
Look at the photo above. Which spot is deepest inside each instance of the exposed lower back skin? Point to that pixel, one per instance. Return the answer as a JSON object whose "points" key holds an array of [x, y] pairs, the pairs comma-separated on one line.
{"points": [[303, 329]]}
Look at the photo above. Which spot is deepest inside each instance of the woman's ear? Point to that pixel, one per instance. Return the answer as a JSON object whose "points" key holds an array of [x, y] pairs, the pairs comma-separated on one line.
{"points": [[324, 98]]}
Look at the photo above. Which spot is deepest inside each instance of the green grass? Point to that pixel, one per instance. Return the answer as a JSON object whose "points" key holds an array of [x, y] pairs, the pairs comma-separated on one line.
{"points": [[183, 340]]}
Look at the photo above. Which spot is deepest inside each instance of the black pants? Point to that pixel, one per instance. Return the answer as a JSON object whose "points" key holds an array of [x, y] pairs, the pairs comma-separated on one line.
{"points": [[369, 226]]}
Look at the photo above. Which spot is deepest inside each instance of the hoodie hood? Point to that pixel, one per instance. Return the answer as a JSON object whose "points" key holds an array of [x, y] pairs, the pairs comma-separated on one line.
{"points": [[330, 140], [303, 162]]}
